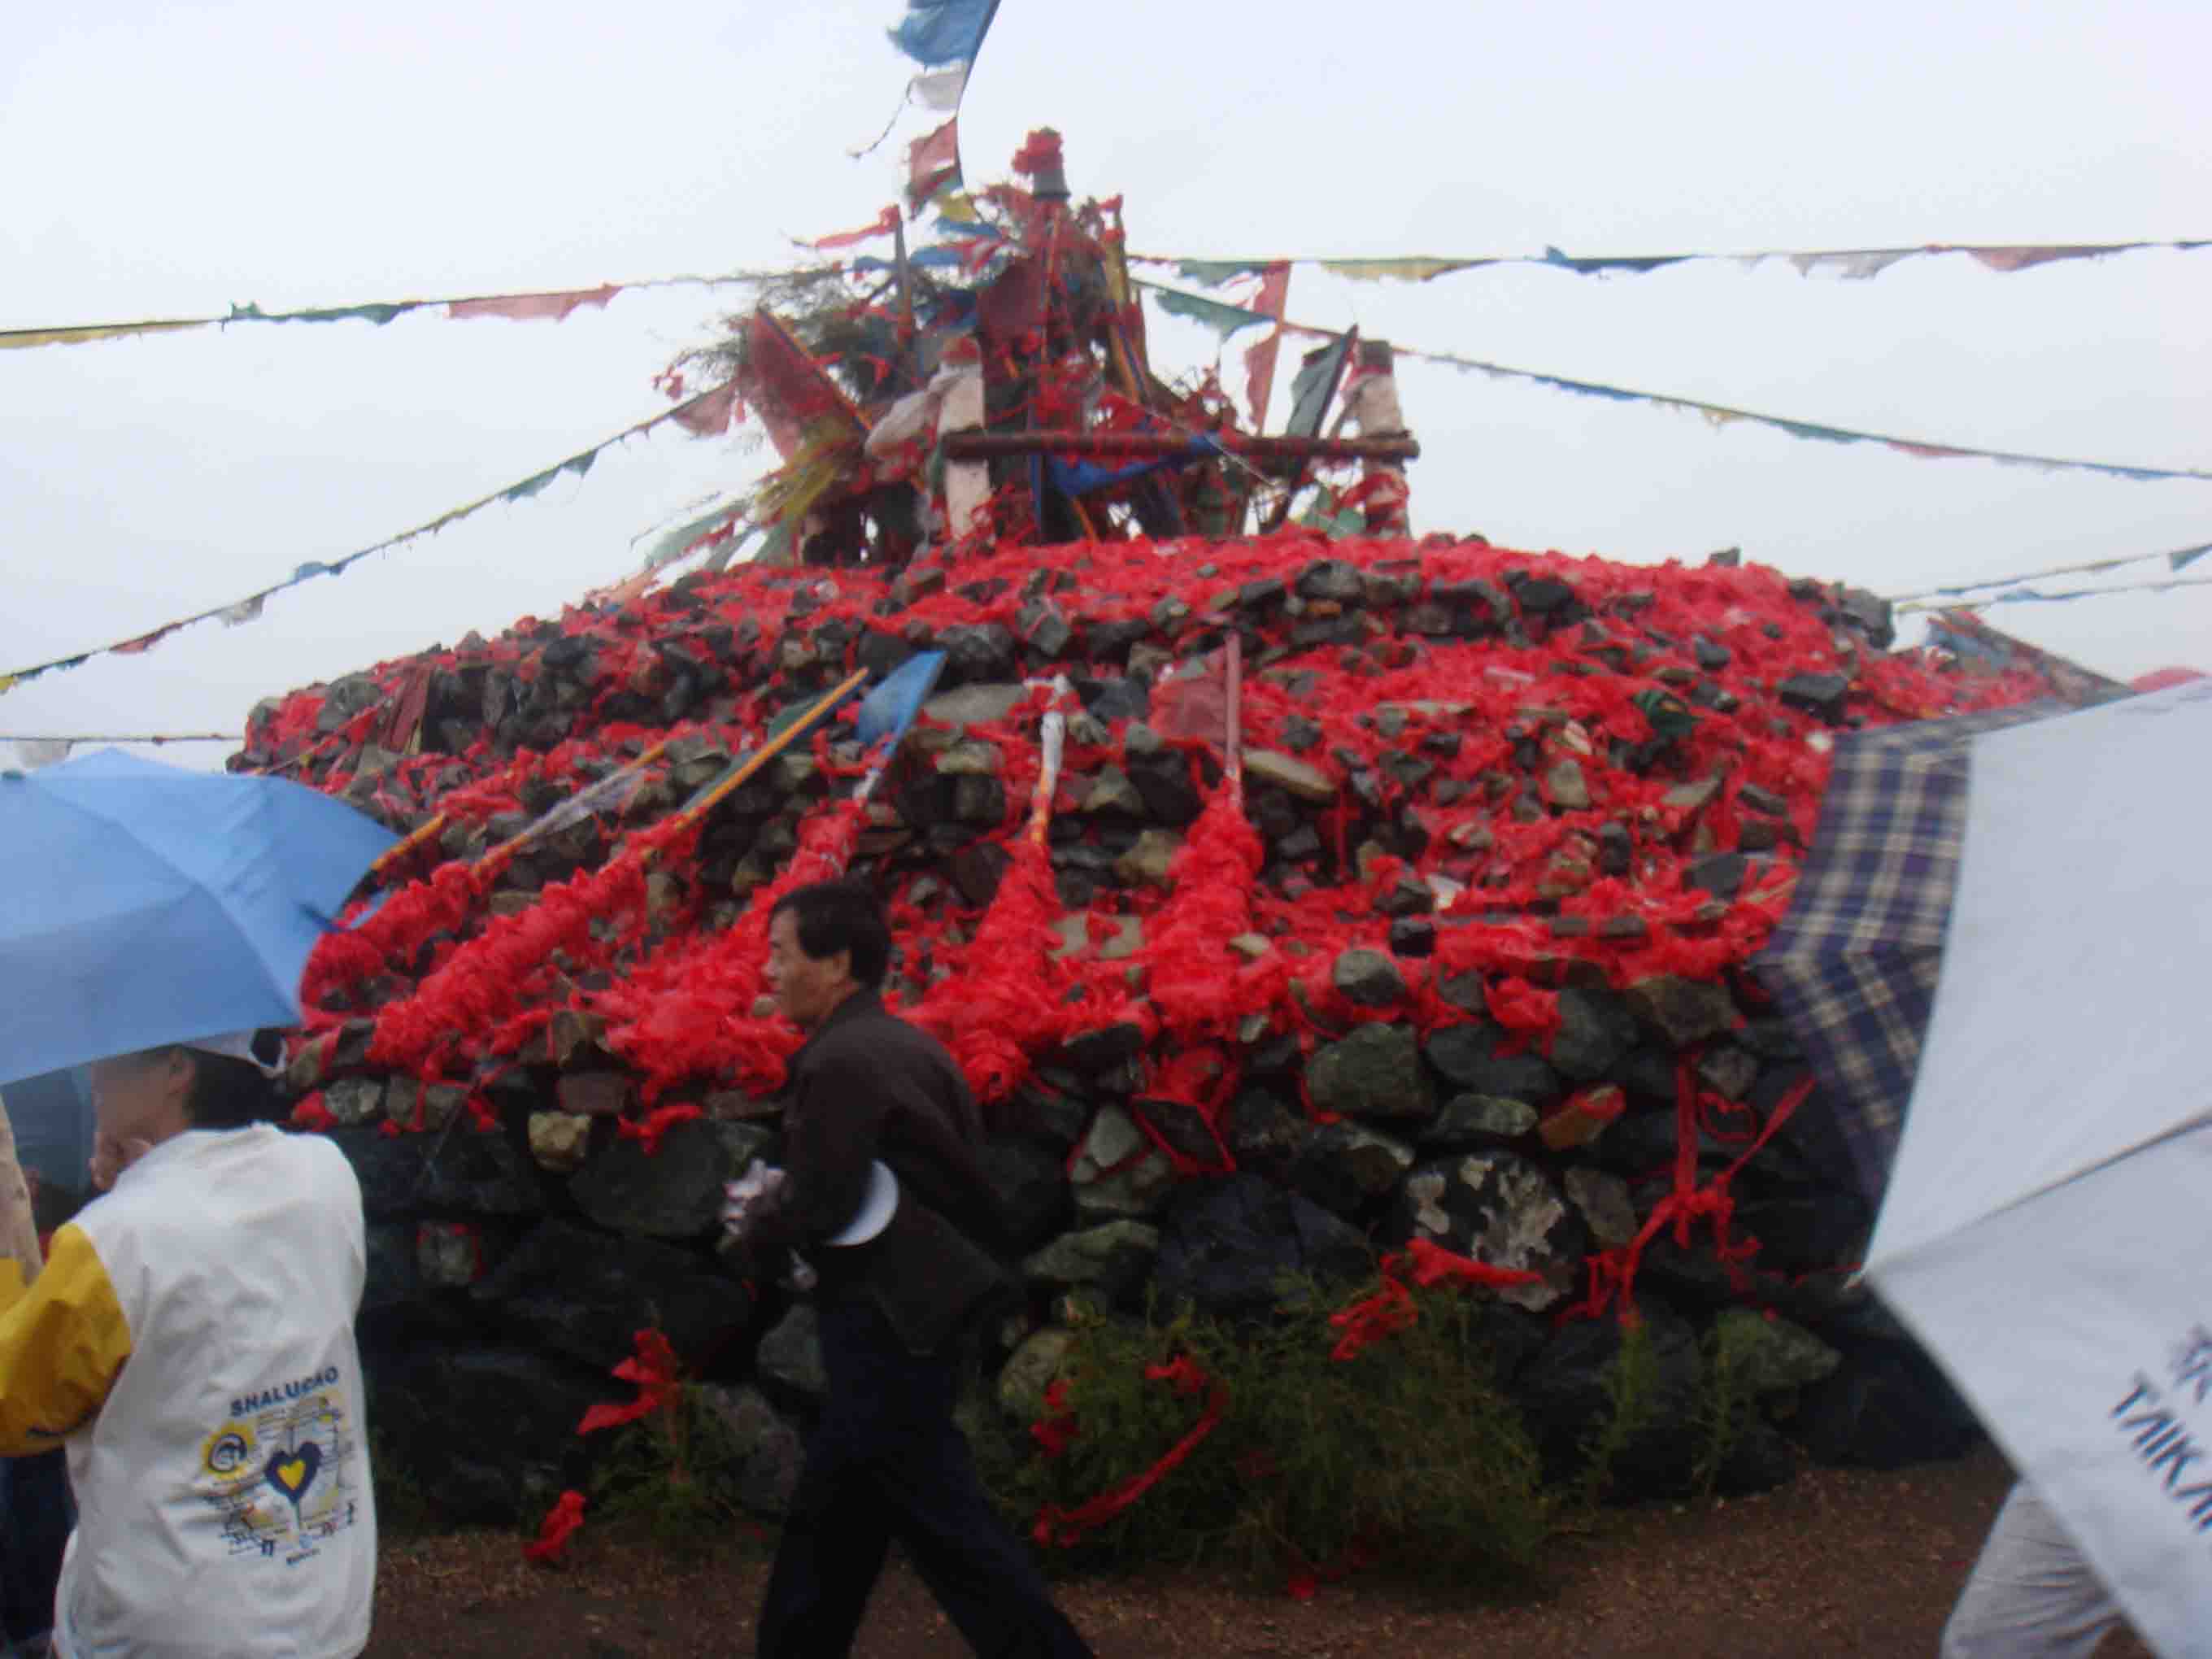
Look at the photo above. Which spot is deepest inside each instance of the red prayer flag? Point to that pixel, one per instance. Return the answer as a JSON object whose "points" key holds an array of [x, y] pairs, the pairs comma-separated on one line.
{"points": [[885, 223], [1260, 360], [532, 307], [710, 413], [932, 161], [1195, 707]]}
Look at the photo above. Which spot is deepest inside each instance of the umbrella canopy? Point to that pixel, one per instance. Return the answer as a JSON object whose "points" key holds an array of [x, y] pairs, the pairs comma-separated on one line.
{"points": [[1853, 966], [2047, 1225], [142, 904]]}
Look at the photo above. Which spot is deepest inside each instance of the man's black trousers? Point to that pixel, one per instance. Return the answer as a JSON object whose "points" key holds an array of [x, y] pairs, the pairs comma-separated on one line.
{"points": [[888, 1462]]}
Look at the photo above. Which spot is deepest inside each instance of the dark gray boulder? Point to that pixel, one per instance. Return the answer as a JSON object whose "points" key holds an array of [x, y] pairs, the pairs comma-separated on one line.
{"points": [[585, 1296], [1225, 1245], [675, 1192], [1375, 1071]]}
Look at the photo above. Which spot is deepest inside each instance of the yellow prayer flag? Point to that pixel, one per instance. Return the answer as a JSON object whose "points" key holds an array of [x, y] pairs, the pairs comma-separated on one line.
{"points": [[16, 340], [1414, 270]]}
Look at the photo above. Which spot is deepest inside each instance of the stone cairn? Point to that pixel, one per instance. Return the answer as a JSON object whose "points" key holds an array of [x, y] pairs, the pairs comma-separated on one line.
{"points": [[1471, 969]]}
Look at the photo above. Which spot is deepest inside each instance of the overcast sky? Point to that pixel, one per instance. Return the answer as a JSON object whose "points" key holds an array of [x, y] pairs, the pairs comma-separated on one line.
{"points": [[172, 159]]}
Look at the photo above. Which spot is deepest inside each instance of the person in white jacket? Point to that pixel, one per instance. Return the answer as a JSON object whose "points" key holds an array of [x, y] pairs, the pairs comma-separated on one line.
{"points": [[190, 1342]]}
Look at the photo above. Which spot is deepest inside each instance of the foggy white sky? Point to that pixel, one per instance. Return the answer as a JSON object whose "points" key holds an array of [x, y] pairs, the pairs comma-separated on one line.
{"points": [[173, 159]]}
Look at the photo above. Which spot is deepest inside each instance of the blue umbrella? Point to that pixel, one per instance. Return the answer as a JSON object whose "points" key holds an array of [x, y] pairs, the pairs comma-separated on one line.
{"points": [[141, 904]]}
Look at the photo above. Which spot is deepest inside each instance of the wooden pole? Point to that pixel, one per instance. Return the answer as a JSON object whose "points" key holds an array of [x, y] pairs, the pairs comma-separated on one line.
{"points": [[1053, 737], [715, 792], [1235, 699], [414, 838], [1372, 404], [512, 844], [906, 376], [488, 867]]}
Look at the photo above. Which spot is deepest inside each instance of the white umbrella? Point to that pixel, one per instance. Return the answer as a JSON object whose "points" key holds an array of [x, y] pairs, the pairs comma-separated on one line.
{"points": [[2047, 1231]]}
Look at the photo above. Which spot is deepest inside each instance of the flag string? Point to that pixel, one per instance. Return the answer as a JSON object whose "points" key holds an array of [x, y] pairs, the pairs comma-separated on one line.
{"points": [[709, 412], [1177, 302], [2179, 558], [552, 305], [1859, 264], [2037, 596], [712, 411], [557, 304]]}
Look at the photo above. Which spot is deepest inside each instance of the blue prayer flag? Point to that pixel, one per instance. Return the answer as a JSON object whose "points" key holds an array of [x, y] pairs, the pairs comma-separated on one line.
{"points": [[887, 711], [935, 32]]}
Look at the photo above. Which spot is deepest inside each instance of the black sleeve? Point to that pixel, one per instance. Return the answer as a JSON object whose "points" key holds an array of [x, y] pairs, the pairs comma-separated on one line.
{"points": [[831, 1131]]}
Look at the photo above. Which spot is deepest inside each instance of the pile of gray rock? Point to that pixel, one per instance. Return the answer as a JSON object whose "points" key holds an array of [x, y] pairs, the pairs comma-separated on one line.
{"points": [[511, 1265]]}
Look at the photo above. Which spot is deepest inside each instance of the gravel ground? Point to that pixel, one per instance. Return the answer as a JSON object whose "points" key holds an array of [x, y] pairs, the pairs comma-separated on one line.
{"points": [[1838, 1562]]}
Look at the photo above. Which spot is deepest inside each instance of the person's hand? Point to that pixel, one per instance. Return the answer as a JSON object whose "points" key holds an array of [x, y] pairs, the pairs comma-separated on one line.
{"points": [[111, 1157], [750, 1200]]}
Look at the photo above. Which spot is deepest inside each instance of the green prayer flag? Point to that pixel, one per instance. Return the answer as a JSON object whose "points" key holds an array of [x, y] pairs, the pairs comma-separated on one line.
{"points": [[1315, 386], [672, 546], [1331, 520], [1415, 268], [1212, 273], [1223, 320], [579, 464]]}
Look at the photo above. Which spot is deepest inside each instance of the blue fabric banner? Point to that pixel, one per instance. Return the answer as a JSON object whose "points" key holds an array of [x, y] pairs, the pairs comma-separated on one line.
{"points": [[887, 711], [937, 31]]}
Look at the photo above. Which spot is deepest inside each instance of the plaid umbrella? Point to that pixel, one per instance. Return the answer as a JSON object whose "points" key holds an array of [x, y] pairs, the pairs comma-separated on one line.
{"points": [[1853, 966]]}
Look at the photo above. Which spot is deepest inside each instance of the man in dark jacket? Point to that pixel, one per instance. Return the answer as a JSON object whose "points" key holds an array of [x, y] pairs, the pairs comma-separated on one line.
{"points": [[875, 1114]]}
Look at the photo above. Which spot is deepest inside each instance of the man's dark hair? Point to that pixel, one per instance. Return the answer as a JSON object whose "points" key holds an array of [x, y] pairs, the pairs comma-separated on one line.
{"points": [[841, 916]]}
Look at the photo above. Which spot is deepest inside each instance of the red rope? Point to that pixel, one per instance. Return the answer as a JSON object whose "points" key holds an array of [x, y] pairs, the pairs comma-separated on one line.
{"points": [[1613, 1273]]}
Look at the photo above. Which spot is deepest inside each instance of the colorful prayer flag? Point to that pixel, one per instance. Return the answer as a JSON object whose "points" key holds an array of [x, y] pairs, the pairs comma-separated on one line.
{"points": [[940, 89], [1413, 269], [935, 32], [932, 164], [890, 708], [1212, 273], [885, 223], [1260, 360], [532, 307], [710, 413], [1223, 320]]}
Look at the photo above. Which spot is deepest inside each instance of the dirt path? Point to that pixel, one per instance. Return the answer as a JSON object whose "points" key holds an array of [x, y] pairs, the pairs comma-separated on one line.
{"points": [[1836, 1562]]}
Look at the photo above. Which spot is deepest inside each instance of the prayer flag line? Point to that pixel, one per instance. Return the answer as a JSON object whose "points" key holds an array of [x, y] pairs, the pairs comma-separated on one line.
{"points": [[2179, 558], [1174, 300], [2037, 596], [547, 305], [709, 412], [933, 168], [1851, 264]]}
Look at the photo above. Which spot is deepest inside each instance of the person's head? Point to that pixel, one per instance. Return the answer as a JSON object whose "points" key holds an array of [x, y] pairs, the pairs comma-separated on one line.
{"points": [[156, 1093], [825, 942]]}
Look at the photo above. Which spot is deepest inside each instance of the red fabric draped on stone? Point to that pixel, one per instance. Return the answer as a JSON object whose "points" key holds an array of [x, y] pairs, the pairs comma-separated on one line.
{"points": [[687, 1012], [1613, 1273], [1392, 1308]]}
